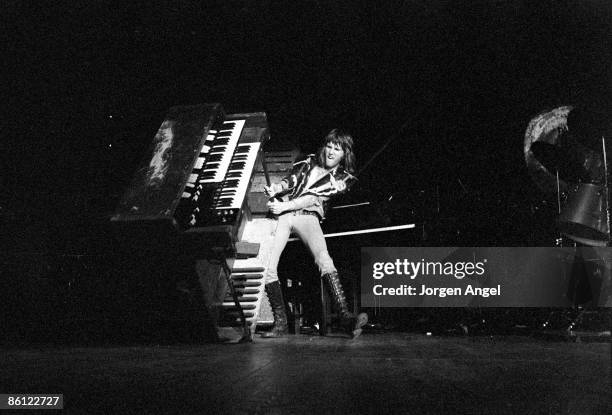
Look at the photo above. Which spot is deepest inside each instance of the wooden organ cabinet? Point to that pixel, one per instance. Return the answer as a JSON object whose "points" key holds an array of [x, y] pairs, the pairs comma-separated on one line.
{"points": [[199, 192]]}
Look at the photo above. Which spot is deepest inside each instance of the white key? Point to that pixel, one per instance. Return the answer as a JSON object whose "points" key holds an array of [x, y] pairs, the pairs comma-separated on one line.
{"points": [[243, 180], [217, 173]]}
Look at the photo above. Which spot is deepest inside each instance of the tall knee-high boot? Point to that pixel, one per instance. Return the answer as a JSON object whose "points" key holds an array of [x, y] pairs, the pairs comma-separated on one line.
{"points": [[351, 322], [275, 295]]}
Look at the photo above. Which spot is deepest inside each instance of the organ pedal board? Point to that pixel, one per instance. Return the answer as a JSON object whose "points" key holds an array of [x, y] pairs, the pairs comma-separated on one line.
{"points": [[248, 282]]}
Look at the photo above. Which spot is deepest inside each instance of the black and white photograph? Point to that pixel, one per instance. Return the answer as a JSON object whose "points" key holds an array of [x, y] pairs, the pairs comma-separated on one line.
{"points": [[333, 207]]}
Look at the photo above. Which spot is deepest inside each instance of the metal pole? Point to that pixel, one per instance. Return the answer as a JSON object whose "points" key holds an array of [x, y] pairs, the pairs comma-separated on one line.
{"points": [[607, 193], [558, 194]]}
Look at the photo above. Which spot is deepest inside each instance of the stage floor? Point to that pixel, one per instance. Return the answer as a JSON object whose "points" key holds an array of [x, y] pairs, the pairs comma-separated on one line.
{"points": [[377, 373]]}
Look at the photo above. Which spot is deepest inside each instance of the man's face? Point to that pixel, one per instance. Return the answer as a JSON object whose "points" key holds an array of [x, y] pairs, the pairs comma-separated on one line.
{"points": [[333, 155]]}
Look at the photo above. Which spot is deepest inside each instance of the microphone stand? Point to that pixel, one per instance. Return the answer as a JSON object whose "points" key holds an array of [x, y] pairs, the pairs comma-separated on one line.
{"points": [[603, 143], [558, 194], [607, 190], [559, 241]]}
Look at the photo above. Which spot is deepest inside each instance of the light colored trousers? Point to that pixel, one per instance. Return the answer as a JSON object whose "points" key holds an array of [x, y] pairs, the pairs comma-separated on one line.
{"points": [[308, 229]]}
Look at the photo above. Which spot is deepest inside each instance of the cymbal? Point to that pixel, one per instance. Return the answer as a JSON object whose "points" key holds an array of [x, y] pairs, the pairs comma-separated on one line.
{"points": [[546, 128]]}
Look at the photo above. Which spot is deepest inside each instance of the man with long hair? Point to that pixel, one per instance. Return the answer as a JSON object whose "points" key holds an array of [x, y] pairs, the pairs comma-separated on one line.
{"points": [[299, 202]]}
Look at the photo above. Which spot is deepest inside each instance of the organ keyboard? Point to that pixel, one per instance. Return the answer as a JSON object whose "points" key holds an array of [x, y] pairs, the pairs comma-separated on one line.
{"points": [[195, 178], [190, 195], [221, 152], [234, 188]]}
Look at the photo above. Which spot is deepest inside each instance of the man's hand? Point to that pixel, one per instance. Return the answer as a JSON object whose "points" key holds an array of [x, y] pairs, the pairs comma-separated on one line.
{"points": [[269, 191], [272, 190], [277, 207]]}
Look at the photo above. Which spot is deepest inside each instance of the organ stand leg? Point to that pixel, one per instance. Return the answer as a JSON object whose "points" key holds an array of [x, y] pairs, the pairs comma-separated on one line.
{"points": [[213, 287], [247, 335], [215, 279]]}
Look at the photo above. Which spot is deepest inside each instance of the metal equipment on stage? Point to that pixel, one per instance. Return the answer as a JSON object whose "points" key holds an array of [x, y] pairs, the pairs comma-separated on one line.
{"points": [[563, 162], [573, 140]]}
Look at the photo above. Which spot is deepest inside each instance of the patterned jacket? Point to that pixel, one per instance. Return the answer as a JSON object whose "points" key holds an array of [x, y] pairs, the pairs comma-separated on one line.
{"points": [[316, 196]]}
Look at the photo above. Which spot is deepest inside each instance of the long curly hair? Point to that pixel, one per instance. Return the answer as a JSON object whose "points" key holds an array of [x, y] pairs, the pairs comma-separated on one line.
{"points": [[345, 141]]}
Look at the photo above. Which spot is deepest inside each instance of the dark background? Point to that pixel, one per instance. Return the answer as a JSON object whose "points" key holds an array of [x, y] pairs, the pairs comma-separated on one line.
{"points": [[454, 83], [89, 83]]}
